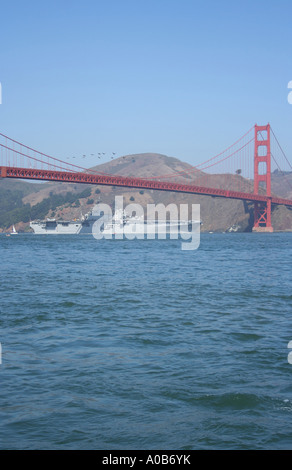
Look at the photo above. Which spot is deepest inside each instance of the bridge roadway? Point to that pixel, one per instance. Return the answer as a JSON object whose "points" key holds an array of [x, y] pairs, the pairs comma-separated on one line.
{"points": [[132, 182]]}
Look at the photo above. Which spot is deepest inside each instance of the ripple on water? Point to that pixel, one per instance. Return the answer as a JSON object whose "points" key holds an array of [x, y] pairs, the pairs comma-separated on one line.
{"points": [[120, 345]]}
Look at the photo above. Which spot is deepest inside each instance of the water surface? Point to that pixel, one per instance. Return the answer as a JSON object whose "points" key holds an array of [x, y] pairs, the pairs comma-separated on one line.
{"points": [[118, 344]]}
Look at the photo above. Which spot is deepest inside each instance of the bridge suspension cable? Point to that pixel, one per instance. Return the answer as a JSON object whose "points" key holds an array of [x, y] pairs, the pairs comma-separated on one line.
{"points": [[231, 169]]}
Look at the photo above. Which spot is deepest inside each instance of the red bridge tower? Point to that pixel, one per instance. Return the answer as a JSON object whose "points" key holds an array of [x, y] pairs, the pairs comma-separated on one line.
{"points": [[262, 173]]}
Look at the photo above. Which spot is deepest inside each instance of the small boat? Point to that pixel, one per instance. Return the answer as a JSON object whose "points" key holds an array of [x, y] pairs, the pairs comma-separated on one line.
{"points": [[14, 232]]}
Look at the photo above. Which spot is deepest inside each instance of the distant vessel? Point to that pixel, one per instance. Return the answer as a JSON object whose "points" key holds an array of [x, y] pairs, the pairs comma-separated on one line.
{"points": [[14, 232], [64, 227], [131, 226], [119, 224]]}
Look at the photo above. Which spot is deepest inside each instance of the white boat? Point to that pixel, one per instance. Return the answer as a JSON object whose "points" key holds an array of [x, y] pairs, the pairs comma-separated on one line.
{"points": [[14, 232], [140, 227]]}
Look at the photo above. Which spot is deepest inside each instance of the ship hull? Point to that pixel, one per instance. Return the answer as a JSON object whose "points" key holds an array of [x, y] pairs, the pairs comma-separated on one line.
{"points": [[60, 228]]}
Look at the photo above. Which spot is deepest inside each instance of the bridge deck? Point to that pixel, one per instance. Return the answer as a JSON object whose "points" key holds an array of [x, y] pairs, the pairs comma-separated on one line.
{"points": [[131, 182]]}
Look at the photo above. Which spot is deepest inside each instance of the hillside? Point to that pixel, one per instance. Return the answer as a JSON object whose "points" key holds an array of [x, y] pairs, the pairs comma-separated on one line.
{"points": [[21, 201], [282, 184]]}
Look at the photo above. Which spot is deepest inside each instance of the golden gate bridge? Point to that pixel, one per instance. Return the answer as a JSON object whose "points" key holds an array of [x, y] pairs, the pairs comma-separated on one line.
{"points": [[241, 171]]}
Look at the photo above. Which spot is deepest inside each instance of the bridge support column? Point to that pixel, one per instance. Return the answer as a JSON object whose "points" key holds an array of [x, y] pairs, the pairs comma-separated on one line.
{"points": [[262, 174], [262, 217]]}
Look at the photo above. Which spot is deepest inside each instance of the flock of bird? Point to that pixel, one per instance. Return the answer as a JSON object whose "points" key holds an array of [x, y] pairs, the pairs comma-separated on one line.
{"points": [[99, 155]]}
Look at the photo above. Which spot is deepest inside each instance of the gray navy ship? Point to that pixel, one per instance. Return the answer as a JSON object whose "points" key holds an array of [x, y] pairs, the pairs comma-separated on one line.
{"points": [[64, 227]]}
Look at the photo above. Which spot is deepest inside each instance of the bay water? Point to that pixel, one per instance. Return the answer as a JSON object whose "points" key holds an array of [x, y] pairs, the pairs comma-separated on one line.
{"points": [[119, 344]]}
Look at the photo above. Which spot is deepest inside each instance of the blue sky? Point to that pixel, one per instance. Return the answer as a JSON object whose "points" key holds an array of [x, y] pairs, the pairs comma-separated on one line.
{"points": [[179, 77]]}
